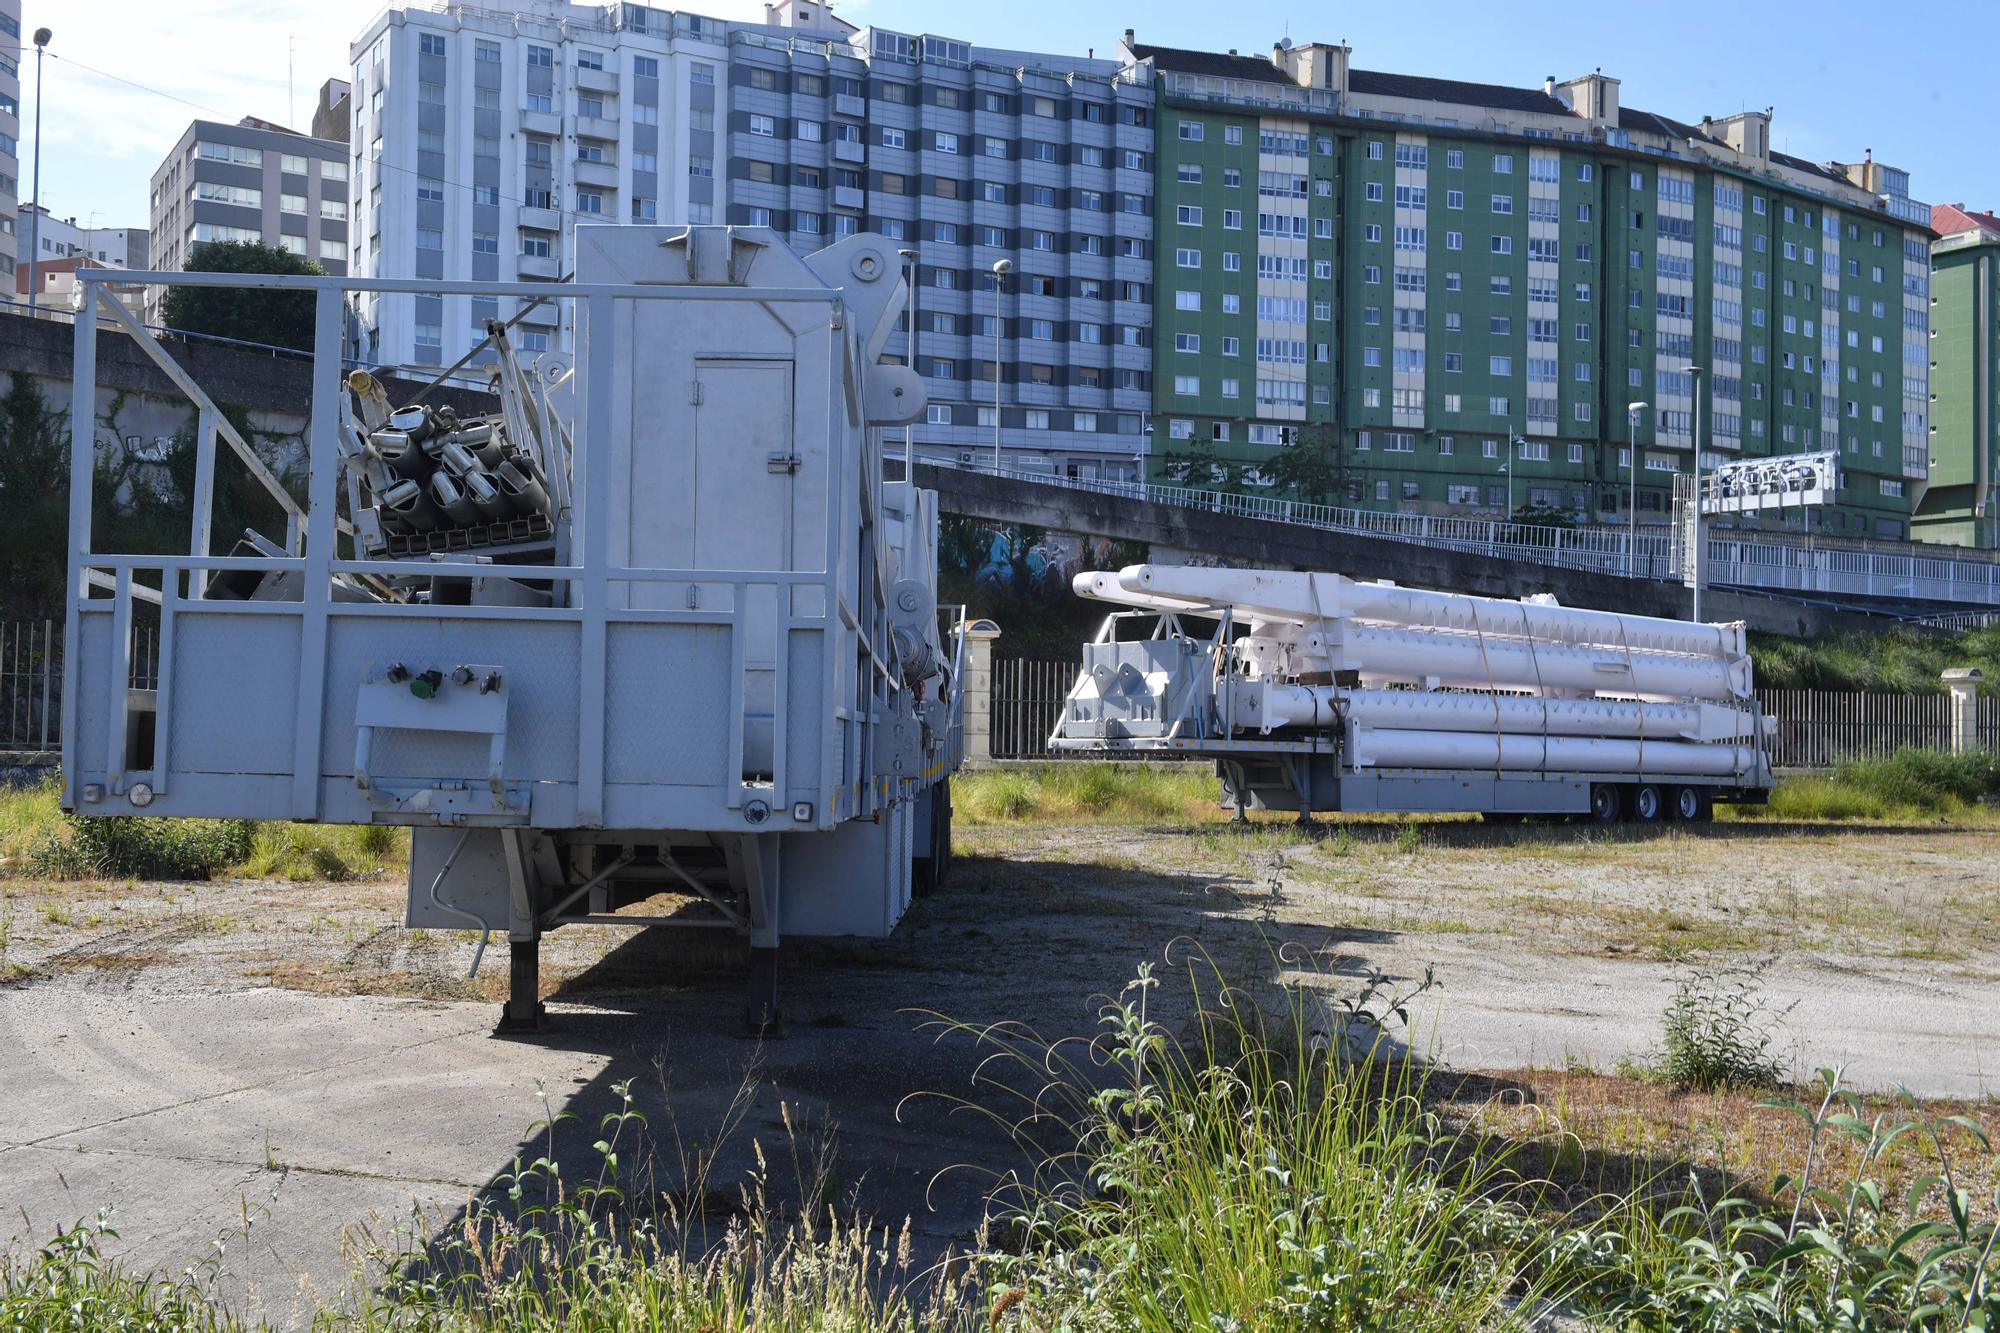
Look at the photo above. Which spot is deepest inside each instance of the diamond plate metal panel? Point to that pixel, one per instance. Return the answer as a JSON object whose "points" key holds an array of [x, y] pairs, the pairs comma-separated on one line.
{"points": [[806, 723], [668, 695], [236, 693], [93, 721], [539, 658]]}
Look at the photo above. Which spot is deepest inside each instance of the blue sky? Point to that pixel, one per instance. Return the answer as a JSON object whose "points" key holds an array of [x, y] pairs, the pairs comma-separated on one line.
{"points": [[1842, 80]]}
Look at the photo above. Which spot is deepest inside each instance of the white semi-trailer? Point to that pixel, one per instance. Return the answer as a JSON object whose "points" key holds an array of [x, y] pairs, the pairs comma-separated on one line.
{"points": [[656, 624], [1315, 692]]}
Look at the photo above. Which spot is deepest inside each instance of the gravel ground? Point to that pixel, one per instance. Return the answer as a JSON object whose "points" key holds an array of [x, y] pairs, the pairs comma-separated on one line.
{"points": [[199, 1055]]}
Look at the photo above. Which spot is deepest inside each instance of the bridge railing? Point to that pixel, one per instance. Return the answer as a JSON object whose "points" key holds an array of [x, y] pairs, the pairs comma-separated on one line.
{"points": [[1765, 561]]}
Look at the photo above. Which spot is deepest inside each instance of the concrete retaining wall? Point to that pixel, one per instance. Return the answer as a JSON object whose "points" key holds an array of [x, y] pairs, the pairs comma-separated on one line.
{"points": [[1267, 543]]}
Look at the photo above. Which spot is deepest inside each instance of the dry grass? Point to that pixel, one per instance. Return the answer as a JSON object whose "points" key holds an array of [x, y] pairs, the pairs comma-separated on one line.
{"points": [[1612, 1135]]}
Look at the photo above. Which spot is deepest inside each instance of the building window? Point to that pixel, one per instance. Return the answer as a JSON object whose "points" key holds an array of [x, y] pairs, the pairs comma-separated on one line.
{"points": [[764, 126]]}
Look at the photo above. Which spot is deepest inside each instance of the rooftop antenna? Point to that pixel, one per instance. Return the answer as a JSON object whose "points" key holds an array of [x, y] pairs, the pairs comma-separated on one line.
{"points": [[291, 98]]}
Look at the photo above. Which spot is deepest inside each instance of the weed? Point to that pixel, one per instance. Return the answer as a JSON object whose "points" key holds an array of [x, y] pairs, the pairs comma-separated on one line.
{"points": [[1072, 792], [1409, 840], [1717, 1033], [306, 852], [114, 845]]}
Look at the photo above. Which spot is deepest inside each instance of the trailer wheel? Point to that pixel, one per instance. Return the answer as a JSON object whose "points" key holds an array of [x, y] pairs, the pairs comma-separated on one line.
{"points": [[1693, 805], [1647, 803], [1605, 805]]}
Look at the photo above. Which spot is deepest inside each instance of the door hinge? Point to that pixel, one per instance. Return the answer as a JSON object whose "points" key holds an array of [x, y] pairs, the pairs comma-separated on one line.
{"points": [[781, 463], [694, 392]]}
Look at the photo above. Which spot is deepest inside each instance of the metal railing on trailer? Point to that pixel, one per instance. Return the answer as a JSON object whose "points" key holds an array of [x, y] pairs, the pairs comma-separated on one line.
{"points": [[287, 722]]}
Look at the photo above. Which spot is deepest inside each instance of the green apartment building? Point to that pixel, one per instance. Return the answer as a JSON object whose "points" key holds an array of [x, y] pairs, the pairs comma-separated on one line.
{"points": [[1454, 290], [1962, 505]]}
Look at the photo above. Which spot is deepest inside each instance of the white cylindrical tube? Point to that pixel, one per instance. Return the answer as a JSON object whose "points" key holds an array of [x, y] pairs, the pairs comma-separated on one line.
{"points": [[1267, 706], [1399, 748], [1385, 655], [1308, 598]]}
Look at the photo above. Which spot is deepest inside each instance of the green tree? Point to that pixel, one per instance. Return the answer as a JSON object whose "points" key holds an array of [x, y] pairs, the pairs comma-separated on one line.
{"points": [[1312, 467], [283, 319], [1199, 468], [34, 499]]}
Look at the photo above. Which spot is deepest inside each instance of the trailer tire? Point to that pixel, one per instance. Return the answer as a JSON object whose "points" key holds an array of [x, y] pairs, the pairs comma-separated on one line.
{"points": [[1693, 805], [1606, 805], [1648, 805]]}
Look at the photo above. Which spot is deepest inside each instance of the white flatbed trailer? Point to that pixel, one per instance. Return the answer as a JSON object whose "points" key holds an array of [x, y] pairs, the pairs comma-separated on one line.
{"points": [[1315, 694]]}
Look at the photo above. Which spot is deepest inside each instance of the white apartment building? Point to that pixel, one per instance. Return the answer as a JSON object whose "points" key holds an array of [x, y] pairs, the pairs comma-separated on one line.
{"points": [[62, 238], [482, 135], [10, 139]]}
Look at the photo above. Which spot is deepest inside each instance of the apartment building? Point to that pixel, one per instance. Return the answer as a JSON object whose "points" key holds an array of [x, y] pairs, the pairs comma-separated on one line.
{"points": [[10, 139], [251, 181], [484, 134], [62, 238], [1455, 289], [1962, 505]]}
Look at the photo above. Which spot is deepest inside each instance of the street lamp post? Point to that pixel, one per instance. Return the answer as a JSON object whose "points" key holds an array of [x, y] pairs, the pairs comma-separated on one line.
{"points": [[909, 258], [1700, 524], [1001, 268], [42, 36], [1632, 411]]}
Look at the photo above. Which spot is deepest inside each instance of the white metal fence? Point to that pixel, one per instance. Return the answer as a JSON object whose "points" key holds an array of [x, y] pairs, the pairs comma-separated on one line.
{"points": [[1816, 728], [1803, 565]]}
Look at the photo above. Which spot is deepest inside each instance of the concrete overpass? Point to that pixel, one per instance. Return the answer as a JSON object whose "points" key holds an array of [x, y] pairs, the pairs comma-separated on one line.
{"points": [[1276, 544]]}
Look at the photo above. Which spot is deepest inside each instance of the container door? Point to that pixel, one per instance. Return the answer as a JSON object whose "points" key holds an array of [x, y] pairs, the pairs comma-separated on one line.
{"points": [[745, 462]]}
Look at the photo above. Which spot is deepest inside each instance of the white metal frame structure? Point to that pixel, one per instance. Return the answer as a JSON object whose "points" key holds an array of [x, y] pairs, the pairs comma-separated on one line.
{"points": [[649, 725]]}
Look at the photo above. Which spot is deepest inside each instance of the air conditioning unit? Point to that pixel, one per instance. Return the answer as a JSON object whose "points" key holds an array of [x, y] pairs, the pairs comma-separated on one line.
{"points": [[965, 455]]}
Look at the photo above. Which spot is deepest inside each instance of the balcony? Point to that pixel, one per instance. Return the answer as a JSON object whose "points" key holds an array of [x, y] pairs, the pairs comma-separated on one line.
{"points": [[597, 127], [546, 315], [541, 219], [541, 122], [596, 80], [599, 175], [539, 266], [846, 196], [847, 104], [846, 150], [1917, 461]]}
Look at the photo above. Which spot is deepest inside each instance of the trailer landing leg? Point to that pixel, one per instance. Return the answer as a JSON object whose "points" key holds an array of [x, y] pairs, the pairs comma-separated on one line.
{"points": [[524, 1010], [761, 1016]]}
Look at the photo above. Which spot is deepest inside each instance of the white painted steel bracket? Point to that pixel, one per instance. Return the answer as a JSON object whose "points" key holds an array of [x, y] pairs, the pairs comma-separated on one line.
{"points": [[466, 699]]}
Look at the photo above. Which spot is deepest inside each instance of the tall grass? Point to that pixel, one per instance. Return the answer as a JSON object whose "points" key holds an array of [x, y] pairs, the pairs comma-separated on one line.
{"points": [[1081, 791], [1234, 1171], [1908, 783], [36, 837]]}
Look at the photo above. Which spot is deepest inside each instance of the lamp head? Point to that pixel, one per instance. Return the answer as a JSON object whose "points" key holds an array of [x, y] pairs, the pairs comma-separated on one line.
{"points": [[42, 36], [1636, 407], [1003, 266]]}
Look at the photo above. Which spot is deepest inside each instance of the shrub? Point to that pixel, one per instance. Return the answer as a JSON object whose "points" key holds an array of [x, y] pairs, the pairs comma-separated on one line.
{"points": [[1717, 1033], [1927, 780], [117, 846]]}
